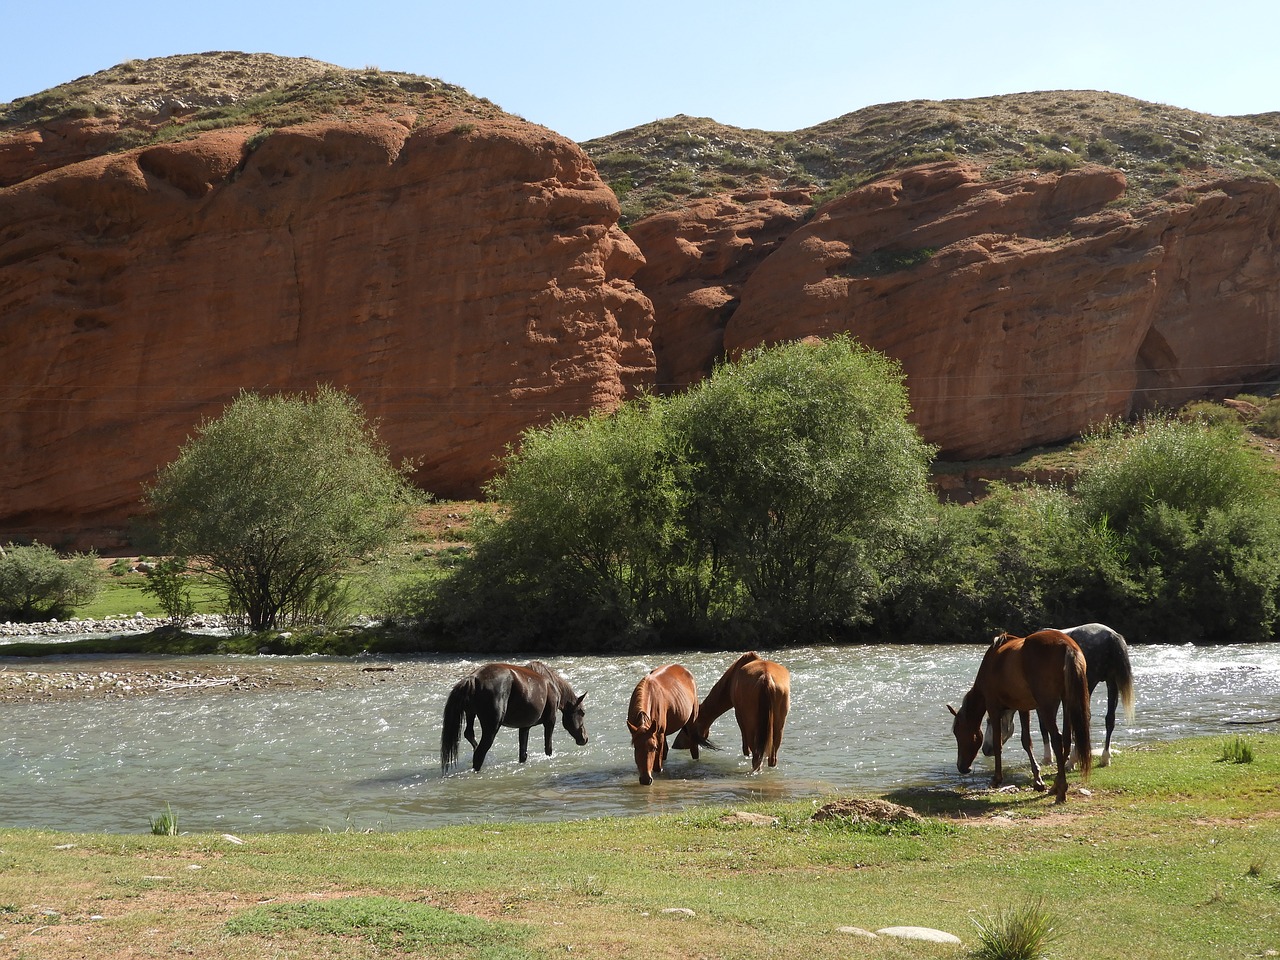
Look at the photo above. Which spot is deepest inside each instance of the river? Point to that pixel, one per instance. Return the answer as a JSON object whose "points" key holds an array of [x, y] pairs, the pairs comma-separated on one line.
{"points": [[863, 719]]}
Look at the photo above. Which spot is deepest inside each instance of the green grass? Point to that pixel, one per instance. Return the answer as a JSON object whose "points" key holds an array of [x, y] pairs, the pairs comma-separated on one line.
{"points": [[1160, 861], [385, 922]]}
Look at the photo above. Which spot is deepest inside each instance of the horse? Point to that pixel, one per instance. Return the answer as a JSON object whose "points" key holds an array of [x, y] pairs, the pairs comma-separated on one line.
{"points": [[1107, 657], [1038, 672], [759, 691], [504, 695], [665, 699]]}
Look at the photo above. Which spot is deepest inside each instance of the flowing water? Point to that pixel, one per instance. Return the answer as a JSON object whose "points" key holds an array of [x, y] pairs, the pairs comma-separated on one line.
{"points": [[863, 719]]}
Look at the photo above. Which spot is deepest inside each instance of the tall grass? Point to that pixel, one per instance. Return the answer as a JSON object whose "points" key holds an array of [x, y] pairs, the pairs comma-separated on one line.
{"points": [[1018, 933]]}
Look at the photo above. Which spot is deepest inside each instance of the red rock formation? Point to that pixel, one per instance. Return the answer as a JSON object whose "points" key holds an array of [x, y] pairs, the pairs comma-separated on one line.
{"points": [[1032, 310], [464, 281], [697, 259]]}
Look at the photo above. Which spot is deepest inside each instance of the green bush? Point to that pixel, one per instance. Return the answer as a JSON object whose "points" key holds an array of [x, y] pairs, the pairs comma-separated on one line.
{"points": [[36, 584], [770, 500]]}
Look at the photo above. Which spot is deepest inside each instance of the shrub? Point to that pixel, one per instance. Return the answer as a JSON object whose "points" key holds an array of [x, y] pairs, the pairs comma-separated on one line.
{"points": [[276, 497], [36, 584]]}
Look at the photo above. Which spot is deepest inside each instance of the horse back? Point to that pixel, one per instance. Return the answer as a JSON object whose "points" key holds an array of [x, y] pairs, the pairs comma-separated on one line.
{"points": [[520, 696], [678, 693]]}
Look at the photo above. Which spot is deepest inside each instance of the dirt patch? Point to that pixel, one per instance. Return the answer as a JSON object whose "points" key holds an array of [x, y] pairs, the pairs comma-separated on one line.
{"points": [[854, 808]]}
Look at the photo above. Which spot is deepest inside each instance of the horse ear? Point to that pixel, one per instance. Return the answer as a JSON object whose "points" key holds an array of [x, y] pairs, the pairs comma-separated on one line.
{"points": [[578, 702], [953, 710]]}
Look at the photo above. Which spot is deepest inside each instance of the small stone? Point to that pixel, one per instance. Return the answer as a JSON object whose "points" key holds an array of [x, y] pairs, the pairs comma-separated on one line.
{"points": [[679, 911], [919, 933], [857, 932]]}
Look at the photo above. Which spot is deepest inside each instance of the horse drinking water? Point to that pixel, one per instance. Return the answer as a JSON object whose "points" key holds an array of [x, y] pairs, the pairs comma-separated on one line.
{"points": [[504, 695], [759, 692], [1106, 656], [1039, 672], [665, 700]]}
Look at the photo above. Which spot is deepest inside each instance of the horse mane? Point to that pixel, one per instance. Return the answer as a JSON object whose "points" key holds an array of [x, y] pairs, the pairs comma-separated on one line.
{"points": [[1000, 639], [638, 709], [563, 687]]}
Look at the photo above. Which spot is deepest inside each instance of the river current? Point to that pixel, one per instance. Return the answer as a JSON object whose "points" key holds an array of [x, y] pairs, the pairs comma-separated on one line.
{"points": [[863, 719]]}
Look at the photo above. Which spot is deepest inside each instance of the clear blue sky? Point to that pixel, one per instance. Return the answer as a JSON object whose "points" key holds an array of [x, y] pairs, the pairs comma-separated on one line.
{"points": [[587, 69]]}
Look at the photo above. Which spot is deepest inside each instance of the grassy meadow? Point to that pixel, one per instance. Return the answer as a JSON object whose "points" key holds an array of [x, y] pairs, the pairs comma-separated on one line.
{"points": [[1173, 853]]}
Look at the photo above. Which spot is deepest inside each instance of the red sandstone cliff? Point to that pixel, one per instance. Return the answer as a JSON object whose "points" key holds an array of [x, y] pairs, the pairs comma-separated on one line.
{"points": [[462, 273], [1034, 311], [464, 280]]}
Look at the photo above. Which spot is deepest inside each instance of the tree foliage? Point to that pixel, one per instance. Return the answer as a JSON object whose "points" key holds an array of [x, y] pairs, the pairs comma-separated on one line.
{"points": [[276, 497], [767, 500], [36, 584], [1171, 533]]}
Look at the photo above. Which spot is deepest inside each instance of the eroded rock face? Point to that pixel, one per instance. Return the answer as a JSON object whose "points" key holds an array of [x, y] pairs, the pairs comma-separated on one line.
{"points": [[463, 280], [1023, 310]]}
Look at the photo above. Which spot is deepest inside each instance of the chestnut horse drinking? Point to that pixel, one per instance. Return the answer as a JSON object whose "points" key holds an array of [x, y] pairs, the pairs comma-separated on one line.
{"points": [[1106, 657], [504, 695], [665, 700], [1024, 673], [759, 692]]}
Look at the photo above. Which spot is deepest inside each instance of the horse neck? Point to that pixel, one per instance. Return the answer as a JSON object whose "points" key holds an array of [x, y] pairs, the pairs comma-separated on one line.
{"points": [[973, 707], [718, 699], [641, 701]]}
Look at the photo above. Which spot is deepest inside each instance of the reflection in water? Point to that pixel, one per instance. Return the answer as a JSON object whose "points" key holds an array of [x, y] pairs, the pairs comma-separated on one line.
{"points": [[865, 719]]}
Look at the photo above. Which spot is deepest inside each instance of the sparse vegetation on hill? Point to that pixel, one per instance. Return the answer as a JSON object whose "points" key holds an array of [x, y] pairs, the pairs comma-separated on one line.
{"points": [[174, 97], [664, 163], [668, 162]]}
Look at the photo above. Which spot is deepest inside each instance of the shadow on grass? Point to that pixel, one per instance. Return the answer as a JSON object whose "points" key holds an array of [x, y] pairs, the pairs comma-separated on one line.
{"points": [[963, 804]]}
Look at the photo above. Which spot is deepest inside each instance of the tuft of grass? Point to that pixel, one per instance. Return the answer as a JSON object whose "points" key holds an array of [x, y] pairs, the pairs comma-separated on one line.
{"points": [[1236, 751], [1018, 933], [165, 824]]}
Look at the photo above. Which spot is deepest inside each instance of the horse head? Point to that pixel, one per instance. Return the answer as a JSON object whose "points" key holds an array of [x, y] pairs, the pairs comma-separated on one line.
{"points": [[574, 719], [967, 728], [646, 740]]}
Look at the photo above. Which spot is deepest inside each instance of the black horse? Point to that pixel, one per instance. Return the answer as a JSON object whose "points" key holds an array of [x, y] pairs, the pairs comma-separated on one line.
{"points": [[1107, 656], [504, 695]]}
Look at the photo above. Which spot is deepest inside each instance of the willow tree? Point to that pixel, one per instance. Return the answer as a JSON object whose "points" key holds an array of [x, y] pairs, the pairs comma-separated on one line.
{"points": [[276, 498]]}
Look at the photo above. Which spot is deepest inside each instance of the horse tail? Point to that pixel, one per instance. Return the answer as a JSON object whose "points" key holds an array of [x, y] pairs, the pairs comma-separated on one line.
{"points": [[1124, 676], [451, 732], [1075, 705]]}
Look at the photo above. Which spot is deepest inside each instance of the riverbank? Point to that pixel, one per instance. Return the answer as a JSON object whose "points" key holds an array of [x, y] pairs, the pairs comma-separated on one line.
{"points": [[131, 677], [1167, 858]]}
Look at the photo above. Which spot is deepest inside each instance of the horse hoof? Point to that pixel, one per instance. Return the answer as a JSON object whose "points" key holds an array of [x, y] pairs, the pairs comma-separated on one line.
{"points": [[1039, 785]]}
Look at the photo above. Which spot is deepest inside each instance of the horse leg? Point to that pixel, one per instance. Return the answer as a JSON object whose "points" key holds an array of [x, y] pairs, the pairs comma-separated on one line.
{"points": [[1037, 781], [1049, 716], [470, 732], [1047, 757], [997, 777], [524, 744], [1113, 695], [662, 756], [487, 735], [548, 728]]}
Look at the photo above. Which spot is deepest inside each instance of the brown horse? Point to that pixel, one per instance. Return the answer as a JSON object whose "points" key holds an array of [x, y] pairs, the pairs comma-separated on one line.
{"points": [[1038, 673], [665, 700], [759, 691], [504, 695]]}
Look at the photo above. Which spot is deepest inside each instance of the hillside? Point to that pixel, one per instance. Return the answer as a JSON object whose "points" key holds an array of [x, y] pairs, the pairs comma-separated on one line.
{"points": [[665, 163], [177, 229]]}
